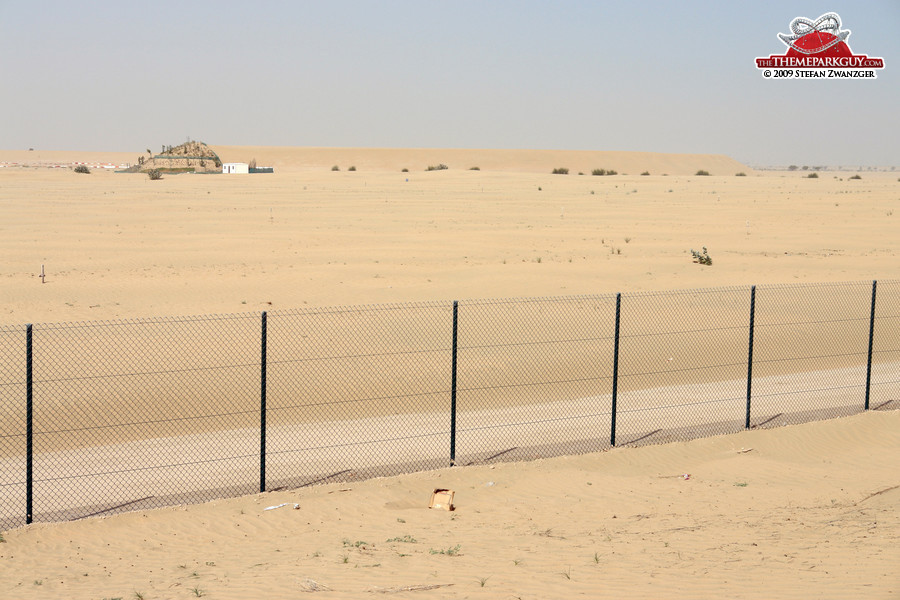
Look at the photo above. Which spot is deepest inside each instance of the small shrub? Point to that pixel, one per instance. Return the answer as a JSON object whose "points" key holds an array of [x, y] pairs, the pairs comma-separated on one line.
{"points": [[702, 172], [82, 169], [855, 177], [335, 168], [645, 173], [702, 257], [407, 539], [404, 170], [560, 171], [812, 176], [440, 167], [352, 168], [741, 174], [602, 172], [474, 168], [454, 551], [154, 174]]}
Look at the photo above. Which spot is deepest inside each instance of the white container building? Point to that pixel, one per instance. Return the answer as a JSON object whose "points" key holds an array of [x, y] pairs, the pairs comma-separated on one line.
{"points": [[235, 168]]}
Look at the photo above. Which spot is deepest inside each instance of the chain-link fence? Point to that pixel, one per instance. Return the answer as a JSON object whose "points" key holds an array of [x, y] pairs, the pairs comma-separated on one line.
{"points": [[101, 417]]}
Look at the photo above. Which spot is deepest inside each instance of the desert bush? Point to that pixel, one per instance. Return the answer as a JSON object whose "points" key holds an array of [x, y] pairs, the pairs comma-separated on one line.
{"points": [[335, 168], [154, 174], [560, 171], [82, 169], [741, 174], [855, 177], [702, 172], [645, 173], [474, 168], [702, 257], [404, 170], [812, 176], [440, 167], [598, 172], [352, 168]]}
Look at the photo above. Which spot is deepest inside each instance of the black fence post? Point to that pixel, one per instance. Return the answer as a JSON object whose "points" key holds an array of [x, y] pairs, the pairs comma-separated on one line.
{"points": [[871, 339], [29, 433], [615, 389], [262, 407], [750, 355], [453, 386]]}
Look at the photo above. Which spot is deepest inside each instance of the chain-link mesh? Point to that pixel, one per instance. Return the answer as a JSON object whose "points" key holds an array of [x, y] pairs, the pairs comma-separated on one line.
{"points": [[144, 413], [682, 364], [534, 378], [811, 350], [885, 389], [12, 427], [357, 392]]}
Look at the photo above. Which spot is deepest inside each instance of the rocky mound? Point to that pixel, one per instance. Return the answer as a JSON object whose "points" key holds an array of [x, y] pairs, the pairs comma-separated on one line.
{"points": [[190, 157]]}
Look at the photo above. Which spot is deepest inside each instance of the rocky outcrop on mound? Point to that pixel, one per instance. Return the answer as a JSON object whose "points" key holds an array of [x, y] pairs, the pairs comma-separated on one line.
{"points": [[190, 157]]}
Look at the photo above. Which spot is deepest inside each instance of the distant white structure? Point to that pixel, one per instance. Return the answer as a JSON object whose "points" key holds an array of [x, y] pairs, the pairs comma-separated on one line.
{"points": [[235, 168]]}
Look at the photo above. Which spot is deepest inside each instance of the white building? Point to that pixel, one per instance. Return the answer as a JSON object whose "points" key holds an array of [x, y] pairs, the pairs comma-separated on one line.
{"points": [[235, 168]]}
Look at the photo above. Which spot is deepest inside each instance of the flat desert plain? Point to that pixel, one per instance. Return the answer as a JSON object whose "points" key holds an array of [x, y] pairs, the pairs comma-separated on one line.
{"points": [[119, 245], [801, 511]]}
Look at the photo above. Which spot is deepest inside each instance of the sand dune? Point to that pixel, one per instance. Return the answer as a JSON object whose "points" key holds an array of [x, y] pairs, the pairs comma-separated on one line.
{"points": [[304, 159], [796, 512], [521, 161]]}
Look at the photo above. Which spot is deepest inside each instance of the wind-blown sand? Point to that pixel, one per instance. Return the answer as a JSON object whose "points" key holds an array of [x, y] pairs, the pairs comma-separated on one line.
{"points": [[817, 516], [796, 512]]}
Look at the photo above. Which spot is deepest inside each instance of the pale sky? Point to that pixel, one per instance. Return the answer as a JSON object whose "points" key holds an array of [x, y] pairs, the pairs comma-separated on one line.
{"points": [[655, 76]]}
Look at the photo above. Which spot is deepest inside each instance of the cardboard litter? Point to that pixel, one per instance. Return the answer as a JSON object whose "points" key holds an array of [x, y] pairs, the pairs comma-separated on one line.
{"points": [[442, 499]]}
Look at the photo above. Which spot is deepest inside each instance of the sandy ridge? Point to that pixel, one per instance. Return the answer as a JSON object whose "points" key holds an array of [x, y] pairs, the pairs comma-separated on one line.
{"points": [[812, 506]]}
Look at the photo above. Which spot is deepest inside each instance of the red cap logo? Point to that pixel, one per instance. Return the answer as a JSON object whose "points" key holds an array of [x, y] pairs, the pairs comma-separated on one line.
{"points": [[818, 49]]}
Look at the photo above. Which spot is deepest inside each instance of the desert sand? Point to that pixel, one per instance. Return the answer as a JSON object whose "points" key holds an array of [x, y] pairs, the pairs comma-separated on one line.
{"points": [[796, 512], [809, 511], [121, 246]]}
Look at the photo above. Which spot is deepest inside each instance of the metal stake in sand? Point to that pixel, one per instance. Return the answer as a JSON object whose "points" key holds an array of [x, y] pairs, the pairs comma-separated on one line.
{"points": [[29, 431], [453, 351], [42, 274]]}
